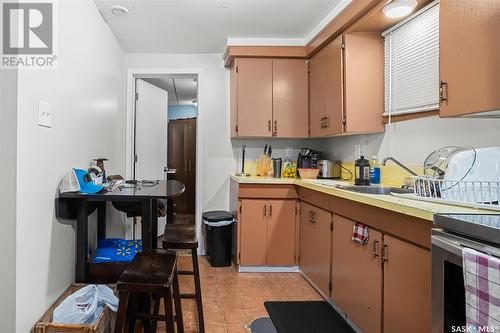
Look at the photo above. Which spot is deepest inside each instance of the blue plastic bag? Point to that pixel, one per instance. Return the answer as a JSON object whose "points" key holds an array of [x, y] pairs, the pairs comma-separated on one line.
{"points": [[85, 305]]}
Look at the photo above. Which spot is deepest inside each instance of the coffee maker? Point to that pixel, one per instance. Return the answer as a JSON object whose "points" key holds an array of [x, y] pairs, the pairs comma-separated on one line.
{"points": [[308, 158]]}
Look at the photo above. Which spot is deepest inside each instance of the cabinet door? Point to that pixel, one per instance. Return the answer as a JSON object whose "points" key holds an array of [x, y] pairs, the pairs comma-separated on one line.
{"points": [[233, 83], [357, 276], [255, 97], [254, 216], [469, 49], [407, 287], [334, 82], [317, 94], [315, 246], [281, 233], [290, 99], [364, 82]]}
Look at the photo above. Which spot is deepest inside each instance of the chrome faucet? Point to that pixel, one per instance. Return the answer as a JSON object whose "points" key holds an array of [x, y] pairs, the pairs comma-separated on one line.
{"points": [[384, 162]]}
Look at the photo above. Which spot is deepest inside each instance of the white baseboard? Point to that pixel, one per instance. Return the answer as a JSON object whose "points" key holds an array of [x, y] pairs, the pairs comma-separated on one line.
{"points": [[268, 269]]}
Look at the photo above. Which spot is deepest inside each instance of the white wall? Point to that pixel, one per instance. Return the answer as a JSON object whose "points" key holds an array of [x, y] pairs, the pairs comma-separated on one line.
{"points": [[8, 131], [413, 140], [87, 93]]}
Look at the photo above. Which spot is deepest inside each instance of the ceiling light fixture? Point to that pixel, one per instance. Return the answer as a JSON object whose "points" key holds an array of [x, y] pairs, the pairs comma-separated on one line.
{"points": [[399, 8], [119, 10]]}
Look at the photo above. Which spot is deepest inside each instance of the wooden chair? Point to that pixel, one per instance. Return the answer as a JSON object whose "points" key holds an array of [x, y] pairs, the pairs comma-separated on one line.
{"points": [[151, 273], [183, 237]]}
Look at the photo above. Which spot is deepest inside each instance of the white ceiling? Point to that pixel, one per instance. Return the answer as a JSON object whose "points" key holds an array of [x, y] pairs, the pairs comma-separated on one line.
{"points": [[182, 89], [202, 26]]}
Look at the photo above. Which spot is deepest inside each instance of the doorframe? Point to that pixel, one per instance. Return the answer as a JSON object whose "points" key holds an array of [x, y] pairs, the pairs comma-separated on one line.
{"points": [[138, 73]]}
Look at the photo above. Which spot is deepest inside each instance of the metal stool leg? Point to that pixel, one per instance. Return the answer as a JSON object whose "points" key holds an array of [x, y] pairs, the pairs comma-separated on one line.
{"points": [[197, 288]]}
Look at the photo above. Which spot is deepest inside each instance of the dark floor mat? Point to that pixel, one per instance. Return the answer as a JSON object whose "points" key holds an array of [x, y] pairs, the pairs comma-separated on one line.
{"points": [[307, 316], [262, 325]]}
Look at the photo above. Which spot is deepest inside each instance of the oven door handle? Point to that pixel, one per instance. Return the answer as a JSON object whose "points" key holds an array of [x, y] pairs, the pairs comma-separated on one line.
{"points": [[456, 246], [447, 245]]}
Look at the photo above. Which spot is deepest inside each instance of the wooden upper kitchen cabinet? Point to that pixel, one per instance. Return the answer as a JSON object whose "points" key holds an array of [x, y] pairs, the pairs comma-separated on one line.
{"points": [[325, 89], [346, 86], [468, 56], [407, 287], [290, 98], [315, 246], [267, 235], [254, 97], [269, 98], [357, 276]]}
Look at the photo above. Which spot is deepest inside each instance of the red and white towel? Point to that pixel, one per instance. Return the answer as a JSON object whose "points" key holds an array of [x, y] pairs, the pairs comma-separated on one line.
{"points": [[482, 289], [360, 233]]}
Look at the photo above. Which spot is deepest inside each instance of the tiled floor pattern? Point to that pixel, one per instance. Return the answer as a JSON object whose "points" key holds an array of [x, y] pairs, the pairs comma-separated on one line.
{"points": [[232, 300]]}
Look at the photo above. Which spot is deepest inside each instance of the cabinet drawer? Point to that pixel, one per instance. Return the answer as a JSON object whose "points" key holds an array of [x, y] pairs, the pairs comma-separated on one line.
{"points": [[249, 191]]}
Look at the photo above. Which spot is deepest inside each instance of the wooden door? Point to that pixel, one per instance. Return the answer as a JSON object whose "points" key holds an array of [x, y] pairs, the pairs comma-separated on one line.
{"points": [[176, 158], [254, 217], [317, 94], [315, 245], [357, 276], [281, 233], [255, 97], [334, 82], [469, 50], [364, 82], [290, 98], [190, 153], [407, 287]]}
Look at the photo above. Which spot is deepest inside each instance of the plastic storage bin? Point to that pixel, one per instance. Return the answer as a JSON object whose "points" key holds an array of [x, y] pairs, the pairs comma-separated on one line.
{"points": [[218, 237]]}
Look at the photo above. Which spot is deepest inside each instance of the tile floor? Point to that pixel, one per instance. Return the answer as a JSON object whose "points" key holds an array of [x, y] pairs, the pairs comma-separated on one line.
{"points": [[232, 300]]}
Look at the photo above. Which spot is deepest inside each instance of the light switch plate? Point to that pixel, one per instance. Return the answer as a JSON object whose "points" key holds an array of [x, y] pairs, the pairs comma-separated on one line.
{"points": [[44, 114]]}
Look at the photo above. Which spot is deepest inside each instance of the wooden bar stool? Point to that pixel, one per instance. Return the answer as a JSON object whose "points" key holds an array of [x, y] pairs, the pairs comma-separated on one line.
{"points": [[183, 237], [152, 272]]}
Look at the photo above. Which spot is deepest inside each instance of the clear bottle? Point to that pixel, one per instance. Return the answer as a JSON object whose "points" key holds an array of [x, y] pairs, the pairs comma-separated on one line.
{"points": [[374, 171]]}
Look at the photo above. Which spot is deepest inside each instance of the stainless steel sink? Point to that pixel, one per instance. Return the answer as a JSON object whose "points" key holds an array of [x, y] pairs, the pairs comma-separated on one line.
{"points": [[374, 189]]}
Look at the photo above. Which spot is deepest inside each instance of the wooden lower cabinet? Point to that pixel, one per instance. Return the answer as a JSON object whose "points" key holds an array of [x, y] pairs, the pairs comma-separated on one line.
{"points": [[315, 246], [281, 233], [407, 287], [267, 235], [357, 276]]}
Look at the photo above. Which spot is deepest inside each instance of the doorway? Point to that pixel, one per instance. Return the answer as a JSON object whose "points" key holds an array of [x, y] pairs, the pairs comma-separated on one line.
{"points": [[165, 138]]}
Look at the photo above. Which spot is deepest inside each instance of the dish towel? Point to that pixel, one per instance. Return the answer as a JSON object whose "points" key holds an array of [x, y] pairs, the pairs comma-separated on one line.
{"points": [[360, 233], [482, 290]]}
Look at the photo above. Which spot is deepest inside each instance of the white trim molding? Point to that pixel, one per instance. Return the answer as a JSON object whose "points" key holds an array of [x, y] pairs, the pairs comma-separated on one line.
{"points": [[292, 41]]}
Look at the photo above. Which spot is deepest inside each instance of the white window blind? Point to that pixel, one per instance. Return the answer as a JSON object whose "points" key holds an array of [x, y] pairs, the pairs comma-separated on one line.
{"points": [[411, 66]]}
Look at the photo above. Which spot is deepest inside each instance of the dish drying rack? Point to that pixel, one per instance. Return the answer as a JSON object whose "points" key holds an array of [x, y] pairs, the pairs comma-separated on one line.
{"points": [[476, 194]]}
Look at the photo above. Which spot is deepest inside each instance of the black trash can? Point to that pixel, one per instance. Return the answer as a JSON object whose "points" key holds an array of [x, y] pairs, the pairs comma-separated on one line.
{"points": [[218, 237]]}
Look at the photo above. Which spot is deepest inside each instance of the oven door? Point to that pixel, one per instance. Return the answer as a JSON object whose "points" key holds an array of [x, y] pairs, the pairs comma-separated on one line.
{"points": [[448, 292]]}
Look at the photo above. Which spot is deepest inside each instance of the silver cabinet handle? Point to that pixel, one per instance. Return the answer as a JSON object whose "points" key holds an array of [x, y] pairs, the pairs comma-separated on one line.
{"points": [[271, 210], [275, 128], [384, 253], [269, 126], [185, 165], [265, 210], [375, 248], [443, 91]]}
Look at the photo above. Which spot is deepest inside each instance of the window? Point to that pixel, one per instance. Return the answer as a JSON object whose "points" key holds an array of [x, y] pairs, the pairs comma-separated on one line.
{"points": [[411, 69]]}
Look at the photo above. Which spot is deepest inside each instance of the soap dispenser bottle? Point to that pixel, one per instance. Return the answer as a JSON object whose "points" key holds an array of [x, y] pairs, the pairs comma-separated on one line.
{"points": [[362, 171], [374, 171]]}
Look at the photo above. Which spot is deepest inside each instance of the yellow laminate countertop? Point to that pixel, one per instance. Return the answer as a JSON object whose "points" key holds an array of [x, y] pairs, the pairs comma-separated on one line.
{"points": [[420, 209]]}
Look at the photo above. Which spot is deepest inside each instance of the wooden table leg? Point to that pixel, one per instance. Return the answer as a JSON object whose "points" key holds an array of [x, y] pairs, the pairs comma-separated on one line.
{"points": [[81, 241], [146, 224], [101, 220]]}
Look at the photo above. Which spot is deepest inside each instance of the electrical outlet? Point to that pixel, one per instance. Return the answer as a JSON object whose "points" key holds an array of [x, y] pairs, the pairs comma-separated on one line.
{"points": [[44, 114]]}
